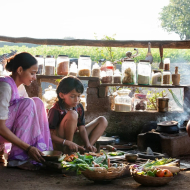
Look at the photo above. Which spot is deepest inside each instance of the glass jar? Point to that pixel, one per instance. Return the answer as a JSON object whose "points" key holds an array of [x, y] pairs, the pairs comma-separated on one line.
{"points": [[167, 64], [49, 65], [73, 69], [40, 60], [63, 65], [117, 76], [139, 102], [156, 77], [166, 77], [128, 72], [144, 72], [49, 97], [122, 101], [96, 70], [84, 66], [83, 101], [107, 76]]}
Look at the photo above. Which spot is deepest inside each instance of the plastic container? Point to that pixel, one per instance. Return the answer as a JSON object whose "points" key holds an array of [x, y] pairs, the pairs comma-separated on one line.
{"points": [[63, 65], [167, 64], [139, 102], [156, 77], [128, 72], [49, 97], [107, 76], [166, 77], [73, 69], [49, 65], [96, 70], [117, 76], [122, 101], [84, 66], [40, 60], [144, 72]]}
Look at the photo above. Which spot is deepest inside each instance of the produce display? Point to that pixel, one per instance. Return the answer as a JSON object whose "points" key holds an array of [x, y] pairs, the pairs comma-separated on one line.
{"points": [[165, 167]]}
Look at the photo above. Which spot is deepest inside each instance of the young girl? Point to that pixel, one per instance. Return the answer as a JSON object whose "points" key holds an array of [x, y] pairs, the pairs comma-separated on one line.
{"points": [[66, 118], [23, 121]]}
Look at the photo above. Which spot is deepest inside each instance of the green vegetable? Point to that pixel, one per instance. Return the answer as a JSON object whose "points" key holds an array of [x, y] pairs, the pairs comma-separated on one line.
{"points": [[116, 153], [150, 173]]}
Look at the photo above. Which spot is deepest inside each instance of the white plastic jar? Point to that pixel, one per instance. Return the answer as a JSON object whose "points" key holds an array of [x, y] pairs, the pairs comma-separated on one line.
{"points": [[73, 69], [63, 65], [84, 66], [49, 65]]}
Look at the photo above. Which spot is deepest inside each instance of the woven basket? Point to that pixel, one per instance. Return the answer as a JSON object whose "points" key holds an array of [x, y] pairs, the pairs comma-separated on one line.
{"points": [[101, 173], [151, 181]]}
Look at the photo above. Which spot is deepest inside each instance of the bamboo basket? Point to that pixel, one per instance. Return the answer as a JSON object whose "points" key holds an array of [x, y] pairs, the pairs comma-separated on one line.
{"points": [[151, 181], [102, 174]]}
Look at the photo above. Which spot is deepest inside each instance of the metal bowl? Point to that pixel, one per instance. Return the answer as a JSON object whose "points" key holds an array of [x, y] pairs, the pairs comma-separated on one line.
{"points": [[51, 155]]}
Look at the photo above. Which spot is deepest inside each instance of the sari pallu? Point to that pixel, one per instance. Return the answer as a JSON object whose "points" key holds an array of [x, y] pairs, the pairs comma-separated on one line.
{"points": [[27, 119]]}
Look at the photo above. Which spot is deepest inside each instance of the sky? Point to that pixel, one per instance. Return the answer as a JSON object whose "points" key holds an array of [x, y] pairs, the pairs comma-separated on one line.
{"points": [[83, 19]]}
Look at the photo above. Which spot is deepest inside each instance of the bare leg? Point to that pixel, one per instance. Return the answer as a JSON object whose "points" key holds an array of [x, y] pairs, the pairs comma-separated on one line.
{"points": [[96, 128]]}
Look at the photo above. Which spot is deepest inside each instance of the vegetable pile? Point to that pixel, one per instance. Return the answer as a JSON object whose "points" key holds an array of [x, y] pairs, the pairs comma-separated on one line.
{"points": [[164, 167], [83, 162]]}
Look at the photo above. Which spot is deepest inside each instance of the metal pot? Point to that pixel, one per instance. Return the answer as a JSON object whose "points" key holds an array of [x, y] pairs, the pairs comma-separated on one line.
{"points": [[162, 104], [168, 127]]}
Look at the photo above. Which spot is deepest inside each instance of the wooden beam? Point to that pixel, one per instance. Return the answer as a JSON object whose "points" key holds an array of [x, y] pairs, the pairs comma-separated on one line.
{"points": [[100, 43]]}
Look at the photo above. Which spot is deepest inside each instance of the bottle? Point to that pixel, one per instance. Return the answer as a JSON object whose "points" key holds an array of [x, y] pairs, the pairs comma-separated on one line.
{"points": [[63, 65], [144, 72], [73, 69], [96, 70], [176, 77], [49, 65], [40, 60]]}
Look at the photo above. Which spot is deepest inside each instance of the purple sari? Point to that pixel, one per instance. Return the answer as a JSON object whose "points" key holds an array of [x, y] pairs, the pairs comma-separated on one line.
{"points": [[27, 119]]}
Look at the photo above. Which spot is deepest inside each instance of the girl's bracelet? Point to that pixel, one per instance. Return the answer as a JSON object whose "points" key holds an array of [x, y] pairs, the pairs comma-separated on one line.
{"points": [[28, 149]]}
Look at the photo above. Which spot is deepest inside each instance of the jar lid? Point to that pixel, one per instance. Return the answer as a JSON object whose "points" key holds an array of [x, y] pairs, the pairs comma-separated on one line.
{"points": [[144, 61], [39, 56], [84, 56], [168, 123], [50, 56], [128, 60]]}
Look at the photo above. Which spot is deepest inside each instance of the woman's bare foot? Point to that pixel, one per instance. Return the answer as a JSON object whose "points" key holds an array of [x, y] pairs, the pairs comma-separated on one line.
{"points": [[29, 166]]}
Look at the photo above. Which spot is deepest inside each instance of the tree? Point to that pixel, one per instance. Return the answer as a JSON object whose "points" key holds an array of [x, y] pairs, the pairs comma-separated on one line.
{"points": [[176, 18]]}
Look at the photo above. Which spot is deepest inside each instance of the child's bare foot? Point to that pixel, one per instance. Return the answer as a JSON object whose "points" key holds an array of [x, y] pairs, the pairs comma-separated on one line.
{"points": [[29, 166]]}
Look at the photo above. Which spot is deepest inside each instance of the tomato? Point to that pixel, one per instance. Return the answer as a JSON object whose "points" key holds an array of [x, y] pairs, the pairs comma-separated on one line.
{"points": [[160, 173], [167, 173]]}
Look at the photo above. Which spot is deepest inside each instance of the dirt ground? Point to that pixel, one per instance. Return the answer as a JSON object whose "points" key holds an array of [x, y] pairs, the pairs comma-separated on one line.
{"points": [[12, 179]]}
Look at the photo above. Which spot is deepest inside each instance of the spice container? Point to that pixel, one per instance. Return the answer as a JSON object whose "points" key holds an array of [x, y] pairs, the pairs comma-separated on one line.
{"points": [[128, 72], [144, 72], [49, 97], [176, 77], [156, 77], [123, 101], [162, 104], [40, 60], [62, 65], [73, 69], [107, 76], [49, 65], [96, 70], [139, 102], [84, 66], [167, 64], [117, 76], [166, 77]]}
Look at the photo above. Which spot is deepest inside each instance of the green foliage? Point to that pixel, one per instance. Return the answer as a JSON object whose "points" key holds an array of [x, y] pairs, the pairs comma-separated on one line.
{"points": [[176, 18], [117, 52]]}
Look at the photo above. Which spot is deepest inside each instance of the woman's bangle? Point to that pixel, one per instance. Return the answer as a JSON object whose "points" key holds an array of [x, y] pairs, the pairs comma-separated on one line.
{"points": [[63, 141], [28, 149]]}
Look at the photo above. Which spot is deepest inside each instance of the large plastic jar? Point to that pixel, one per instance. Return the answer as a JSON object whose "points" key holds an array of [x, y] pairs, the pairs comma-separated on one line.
{"points": [[96, 70], [144, 72], [122, 101], [128, 72], [62, 65], [40, 60], [84, 66], [49, 65]]}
